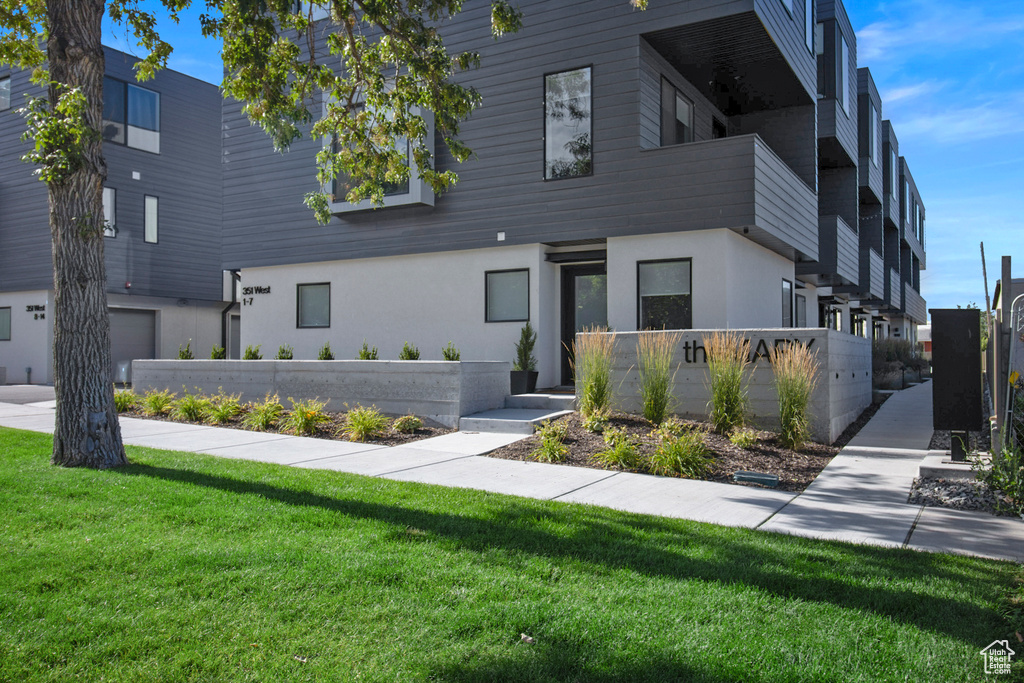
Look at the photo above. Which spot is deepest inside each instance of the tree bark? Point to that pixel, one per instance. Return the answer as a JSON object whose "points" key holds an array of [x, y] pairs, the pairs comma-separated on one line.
{"points": [[86, 433]]}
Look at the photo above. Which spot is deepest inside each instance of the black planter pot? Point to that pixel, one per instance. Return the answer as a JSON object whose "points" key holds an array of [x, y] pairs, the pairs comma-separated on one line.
{"points": [[523, 381]]}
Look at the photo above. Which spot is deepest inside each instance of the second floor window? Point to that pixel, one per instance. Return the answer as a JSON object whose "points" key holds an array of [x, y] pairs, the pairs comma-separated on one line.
{"points": [[874, 137], [842, 71], [5, 93], [568, 124], [131, 115], [109, 212], [676, 116]]}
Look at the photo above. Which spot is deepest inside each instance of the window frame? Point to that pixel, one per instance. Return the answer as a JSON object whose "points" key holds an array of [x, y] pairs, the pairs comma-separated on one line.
{"points": [[126, 89], [145, 219], [799, 302], [298, 305], [809, 28], [640, 296], [110, 222], [487, 295], [875, 128], [544, 137], [677, 94], [9, 322], [787, 287], [5, 85], [842, 71]]}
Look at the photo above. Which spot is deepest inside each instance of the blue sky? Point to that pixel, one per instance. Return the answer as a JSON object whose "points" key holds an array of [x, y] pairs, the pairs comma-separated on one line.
{"points": [[951, 76]]}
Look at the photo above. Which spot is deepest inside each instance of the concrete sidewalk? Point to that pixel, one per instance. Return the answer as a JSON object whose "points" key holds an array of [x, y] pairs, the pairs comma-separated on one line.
{"points": [[860, 497]]}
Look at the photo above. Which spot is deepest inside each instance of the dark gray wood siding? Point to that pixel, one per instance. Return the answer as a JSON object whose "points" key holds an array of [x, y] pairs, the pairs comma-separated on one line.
{"points": [[632, 191], [833, 120], [870, 175], [890, 153], [908, 233]]}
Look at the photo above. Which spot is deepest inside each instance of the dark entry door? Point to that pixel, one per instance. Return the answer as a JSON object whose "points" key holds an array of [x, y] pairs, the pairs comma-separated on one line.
{"points": [[584, 305]]}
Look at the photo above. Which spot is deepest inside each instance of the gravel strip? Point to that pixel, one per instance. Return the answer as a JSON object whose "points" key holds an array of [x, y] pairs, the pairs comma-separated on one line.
{"points": [[958, 494]]}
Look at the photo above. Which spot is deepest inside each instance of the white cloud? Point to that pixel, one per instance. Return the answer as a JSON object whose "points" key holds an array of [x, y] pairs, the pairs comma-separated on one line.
{"points": [[915, 91], [957, 125], [934, 27]]}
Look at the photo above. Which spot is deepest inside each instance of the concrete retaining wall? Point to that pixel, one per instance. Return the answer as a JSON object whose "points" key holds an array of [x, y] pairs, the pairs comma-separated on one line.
{"points": [[843, 391], [439, 391]]}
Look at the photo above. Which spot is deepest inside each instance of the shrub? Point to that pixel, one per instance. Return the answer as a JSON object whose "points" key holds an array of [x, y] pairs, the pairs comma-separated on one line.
{"points": [[366, 353], [552, 446], [363, 423], [1005, 473], [673, 426], [325, 352], [285, 352], [796, 374], [595, 423], [223, 407], [592, 367], [125, 399], [157, 402], [728, 356], [654, 351], [622, 451], [190, 407], [525, 360], [264, 415], [409, 352], [218, 353], [686, 455], [305, 417], [407, 424], [450, 352], [185, 353], [744, 438], [252, 353]]}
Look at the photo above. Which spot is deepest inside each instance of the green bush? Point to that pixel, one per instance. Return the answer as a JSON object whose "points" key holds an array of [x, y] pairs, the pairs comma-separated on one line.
{"points": [[157, 402], [592, 367], [407, 424], [552, 446], [409, 352], [622, 451], [367, 353], [285, 352], [673, 426], [224, 407], [744, 438], [218, 353], [595, 423], [362, 423], [796, 374], [264, 415], [306, 417], [252, 353], [185, 353], [654, 351], [450, 352], [728, 356], [190, 407], [686, 455], [125, 400], [525, 360], [325, 352], [1005, 473]]}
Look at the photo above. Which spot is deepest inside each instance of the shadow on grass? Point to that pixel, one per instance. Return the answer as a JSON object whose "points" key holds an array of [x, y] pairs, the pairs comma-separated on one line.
{"points": [[786, 567]]}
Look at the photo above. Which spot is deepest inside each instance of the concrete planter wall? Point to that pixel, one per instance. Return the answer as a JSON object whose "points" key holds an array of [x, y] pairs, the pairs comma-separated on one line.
{"points": [[439, 391], [843, 391]]}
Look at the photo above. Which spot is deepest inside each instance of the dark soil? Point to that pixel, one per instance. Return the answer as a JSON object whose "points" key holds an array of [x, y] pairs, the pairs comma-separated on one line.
{"points": [[796, 470], [329, 430]]}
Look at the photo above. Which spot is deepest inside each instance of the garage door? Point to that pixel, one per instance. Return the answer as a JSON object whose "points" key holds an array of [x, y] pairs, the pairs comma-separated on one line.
{"points": [[132, 335]]}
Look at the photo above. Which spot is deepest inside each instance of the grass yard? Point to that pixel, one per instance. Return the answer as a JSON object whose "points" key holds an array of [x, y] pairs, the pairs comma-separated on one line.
{"points": [[185, 567]]}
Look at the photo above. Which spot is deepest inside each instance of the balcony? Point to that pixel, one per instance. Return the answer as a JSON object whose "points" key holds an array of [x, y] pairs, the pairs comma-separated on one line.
{"points": [[872, 276], [838, 257], [736, 182], [893, 290], [914, 305]]}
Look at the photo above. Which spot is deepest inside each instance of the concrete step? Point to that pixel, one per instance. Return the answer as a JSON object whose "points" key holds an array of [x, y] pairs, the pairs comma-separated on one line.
{"points": [[542, 401], [508, 420]]}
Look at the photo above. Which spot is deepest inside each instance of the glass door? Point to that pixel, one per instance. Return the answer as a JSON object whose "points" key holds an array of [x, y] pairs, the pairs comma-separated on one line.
{"points": [[584, 305]]}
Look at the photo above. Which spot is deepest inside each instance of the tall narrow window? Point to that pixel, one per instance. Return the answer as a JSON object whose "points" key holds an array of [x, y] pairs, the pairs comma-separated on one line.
{"points": [[905, 202], [801, 310], [313, 305], [113, 110], [876, 142], [787, 303], [809, 24], [5, 324], [676, 116], [5, 93], [507, 296], [664, 295], [842, 71], [109, 212], [894, 173], [568, 126], [152, 219]]}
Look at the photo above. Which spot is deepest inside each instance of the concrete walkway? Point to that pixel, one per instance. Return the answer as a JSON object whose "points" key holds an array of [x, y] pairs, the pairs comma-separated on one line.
{"points": [[860, 497]]}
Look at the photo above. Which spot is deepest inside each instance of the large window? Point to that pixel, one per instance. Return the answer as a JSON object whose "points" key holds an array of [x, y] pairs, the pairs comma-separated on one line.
{"points": [[343, 184], [131, 115], [665, 301], [676, 116], [314, 305], [109, 212], [5, 93], [152, 219], [787, 303], [568, 125], [842, 71], [507, 296], [5, 324]]}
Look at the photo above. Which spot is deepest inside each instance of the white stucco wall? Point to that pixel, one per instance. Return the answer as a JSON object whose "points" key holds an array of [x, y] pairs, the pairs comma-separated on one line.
{"points": [[31, 341]]}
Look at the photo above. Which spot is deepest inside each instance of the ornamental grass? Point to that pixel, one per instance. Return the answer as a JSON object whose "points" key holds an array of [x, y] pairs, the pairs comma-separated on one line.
{"points": [[592, 368], [796, 375], [728, 355], [654, 352]]}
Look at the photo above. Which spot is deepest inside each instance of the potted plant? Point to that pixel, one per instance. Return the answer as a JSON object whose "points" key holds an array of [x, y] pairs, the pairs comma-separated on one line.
{"points": [[524, 369]]}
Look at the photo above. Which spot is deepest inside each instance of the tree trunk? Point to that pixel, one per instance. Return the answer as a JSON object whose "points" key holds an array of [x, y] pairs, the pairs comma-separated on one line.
{"points": [[86, 432]]}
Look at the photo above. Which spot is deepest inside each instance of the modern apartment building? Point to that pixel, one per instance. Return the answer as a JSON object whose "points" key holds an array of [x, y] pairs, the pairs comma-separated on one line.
{"points": [[162, 203]]}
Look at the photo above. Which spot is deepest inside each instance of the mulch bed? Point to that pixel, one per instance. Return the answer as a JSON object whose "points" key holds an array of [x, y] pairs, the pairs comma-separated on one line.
{"points": [[329, 430], [796, 470]]}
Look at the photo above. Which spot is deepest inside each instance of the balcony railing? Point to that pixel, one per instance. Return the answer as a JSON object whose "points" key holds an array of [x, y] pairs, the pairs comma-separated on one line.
{"points": [[894, 290], [914, 305]]}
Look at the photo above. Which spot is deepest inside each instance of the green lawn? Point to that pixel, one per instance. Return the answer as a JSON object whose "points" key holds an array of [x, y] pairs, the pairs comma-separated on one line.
{"points": [[187, 567]]}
